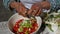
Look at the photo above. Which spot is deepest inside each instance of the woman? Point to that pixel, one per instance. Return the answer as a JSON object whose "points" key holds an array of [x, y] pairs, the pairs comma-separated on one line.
{"points": [[35, 6]]}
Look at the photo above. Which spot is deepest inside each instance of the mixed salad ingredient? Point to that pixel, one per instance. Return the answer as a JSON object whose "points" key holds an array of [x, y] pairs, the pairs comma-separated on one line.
{"points": [[25, 26]]}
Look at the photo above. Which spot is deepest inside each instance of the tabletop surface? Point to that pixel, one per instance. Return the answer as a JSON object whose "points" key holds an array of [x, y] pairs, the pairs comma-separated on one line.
{"points": [[4, 29]]}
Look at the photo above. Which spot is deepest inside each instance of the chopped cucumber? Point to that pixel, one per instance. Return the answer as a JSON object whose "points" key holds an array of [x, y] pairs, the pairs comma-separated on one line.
{"points": [[26, 23], [26, 32], [20, 29]]}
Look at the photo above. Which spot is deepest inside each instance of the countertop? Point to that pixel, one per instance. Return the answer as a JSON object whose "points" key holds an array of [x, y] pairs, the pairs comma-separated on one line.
{"points": [[4, 29]]}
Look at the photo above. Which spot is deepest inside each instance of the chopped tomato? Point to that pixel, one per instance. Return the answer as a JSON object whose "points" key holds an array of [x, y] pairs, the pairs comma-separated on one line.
{"points": [[19, 21], [25, 29], [31, 30], [35, 25], [15, 28]]}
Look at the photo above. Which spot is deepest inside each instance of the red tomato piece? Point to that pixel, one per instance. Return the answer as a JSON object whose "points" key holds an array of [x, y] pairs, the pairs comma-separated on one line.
{"points": [[31, 30], [35, 25], [19, 21], [25, 29], [15, 28]]}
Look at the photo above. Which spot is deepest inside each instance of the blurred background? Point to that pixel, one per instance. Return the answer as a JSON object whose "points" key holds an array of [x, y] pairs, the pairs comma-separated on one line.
{"points": [[4, 13]]}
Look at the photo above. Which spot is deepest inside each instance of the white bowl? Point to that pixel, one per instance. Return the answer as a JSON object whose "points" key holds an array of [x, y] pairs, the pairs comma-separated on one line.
{"points": [[13, 19]]}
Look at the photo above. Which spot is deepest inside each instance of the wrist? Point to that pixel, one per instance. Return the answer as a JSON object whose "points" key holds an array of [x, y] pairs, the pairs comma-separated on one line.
{"points": [[39, 4], [45, 5]]}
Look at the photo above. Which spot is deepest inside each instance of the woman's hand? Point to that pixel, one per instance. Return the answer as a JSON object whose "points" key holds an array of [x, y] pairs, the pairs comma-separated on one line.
{"points": [[14, 4], [20, 8], [35, 10], [45, 5]]}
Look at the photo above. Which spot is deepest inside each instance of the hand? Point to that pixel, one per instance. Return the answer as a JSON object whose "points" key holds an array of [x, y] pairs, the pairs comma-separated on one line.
{"points": [[20, 8], [35, 10], [14, 4], [45, 5]]}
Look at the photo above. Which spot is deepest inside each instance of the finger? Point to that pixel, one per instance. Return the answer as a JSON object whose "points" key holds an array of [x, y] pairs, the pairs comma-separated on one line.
{"points": [[45, 5], [22, 13], [15, 4], [34, 12], [39, 12], [34, 7], [22, 9], [29, 12]]}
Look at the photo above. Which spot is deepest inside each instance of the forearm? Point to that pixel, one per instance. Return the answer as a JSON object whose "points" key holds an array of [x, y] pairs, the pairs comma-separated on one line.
{"points": [[50, 4], [55, 4], [15, 4], [45, 5], [6, 3]]}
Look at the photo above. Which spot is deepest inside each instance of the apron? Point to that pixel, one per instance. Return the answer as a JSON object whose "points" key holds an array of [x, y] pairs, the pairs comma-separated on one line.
{"points": [[29, 3]]}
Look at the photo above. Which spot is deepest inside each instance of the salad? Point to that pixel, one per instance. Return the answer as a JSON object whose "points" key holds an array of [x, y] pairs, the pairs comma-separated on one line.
{"points": [[25, 26]]}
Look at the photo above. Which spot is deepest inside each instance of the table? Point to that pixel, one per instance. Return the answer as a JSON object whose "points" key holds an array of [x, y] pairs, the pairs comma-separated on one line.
{"points": [[4, 29]]}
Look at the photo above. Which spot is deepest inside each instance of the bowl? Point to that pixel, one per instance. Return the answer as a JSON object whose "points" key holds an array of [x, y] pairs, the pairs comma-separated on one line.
{"points": [[14, 18]]}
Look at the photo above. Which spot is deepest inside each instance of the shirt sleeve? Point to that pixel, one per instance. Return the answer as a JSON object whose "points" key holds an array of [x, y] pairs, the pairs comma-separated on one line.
{"points": [[55, 4]]}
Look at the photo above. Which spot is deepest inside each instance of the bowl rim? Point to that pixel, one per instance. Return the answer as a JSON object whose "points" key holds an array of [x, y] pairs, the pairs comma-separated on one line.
{"points": [[17, 13]]}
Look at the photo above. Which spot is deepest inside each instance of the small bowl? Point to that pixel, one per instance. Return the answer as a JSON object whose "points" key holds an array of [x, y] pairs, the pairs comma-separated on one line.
{"points": [[13, 19]]}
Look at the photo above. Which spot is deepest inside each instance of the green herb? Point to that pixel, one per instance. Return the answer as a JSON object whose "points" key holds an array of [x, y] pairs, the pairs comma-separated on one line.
{"points": [[58, 16], [26, 23], [26, 32], [20, 29], [58, 24], [49, 26]]}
